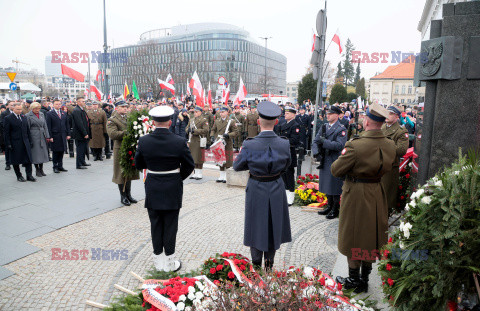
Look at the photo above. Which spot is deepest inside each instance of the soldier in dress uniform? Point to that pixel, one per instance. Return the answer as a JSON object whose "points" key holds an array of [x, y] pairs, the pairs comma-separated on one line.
{"points": [[267, 220], [393, 130], [291, 130], [207, 114], [303, 121], [364, 212], [328, 143], [239, 119], [251, 122], [98, 125], [116, 128], [168, 161], [197, 128], [225, 128]]}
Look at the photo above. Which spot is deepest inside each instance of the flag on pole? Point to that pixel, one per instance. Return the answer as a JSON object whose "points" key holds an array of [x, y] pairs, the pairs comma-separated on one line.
{"points": [[169, 79], [99, 72], [97, 92], [167, 86], [72, 73], [196, 87], [134, 90], [241, 93], [126, 92], [209, 96], [226, 95], [336, 39]]}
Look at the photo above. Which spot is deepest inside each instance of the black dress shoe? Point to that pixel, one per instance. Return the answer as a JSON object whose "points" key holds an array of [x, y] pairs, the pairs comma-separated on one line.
{"points": [[72, 155], [21, 179], [108, 156], [87, 164], [56, 170], [31, 178], [224, 181], [333, 214], [124, 200], [7, 168], [62, 169], [219, 180], [81, 168], [326, 211]]}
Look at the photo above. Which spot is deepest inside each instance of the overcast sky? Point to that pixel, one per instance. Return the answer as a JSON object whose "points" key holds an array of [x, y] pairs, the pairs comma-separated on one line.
{"points": [[31, 29]]}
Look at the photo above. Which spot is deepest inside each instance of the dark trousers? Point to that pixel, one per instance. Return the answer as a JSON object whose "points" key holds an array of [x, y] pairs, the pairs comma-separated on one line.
{"points": [[82, 149], [107, 145], [334, 201], [164, 226], [7, 157], [289, 179], [70, 147], [257, 255], [57, 159], [28, 169]]}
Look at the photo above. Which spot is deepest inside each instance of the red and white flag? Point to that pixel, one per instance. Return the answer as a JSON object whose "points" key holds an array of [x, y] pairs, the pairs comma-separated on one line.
{"points": [[97, 92], [209, 96], [166, 86], [72, 73], [99, 72], [188, 90], [241, 93], [313, 42], [196, 87], [336, 39], [169, 79], [226, 95]]}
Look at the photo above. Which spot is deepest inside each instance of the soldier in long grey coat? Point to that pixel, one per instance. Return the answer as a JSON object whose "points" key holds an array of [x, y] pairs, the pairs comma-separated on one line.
{"points": [[267, 156], [332, 142], [40, 135]]}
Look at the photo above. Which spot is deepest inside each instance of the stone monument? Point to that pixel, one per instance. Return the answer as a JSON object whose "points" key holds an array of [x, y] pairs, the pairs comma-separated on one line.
{"points": [[450, 66]]}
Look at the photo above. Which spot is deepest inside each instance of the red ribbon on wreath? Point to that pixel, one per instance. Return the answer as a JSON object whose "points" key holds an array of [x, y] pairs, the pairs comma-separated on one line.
{"points": [[406, 158]]}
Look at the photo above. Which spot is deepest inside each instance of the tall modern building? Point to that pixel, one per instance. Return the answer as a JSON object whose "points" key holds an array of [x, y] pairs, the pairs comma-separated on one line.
{"points": [[211, 49]]}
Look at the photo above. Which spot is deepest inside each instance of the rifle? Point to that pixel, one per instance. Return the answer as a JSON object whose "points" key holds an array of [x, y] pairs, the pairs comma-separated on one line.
{"points": [[321, 153]]}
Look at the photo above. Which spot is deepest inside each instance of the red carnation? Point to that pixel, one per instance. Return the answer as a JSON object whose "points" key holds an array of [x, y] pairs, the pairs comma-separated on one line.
{"points": [[390, 282], [400, 187], [389, 267], [212, 271], [133, 164], [402, 197], [316, 176], [302, 177], [322, 281], [231, 275], [242, 267], [339, 286], [219, 267], [131, 158], [390, 240], [130, 152], [407, 176], [216, 282]]}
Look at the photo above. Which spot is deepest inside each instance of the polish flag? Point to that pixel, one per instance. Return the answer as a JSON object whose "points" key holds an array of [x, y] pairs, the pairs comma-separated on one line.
{"points": [[188, 89], [313, 42], [72, 73], [97, 92], [85, 93], [209, 96], [167, 86], [336, 39], [241, 94], [226, 95], [99, 72], [169, 79], [196, 86]]}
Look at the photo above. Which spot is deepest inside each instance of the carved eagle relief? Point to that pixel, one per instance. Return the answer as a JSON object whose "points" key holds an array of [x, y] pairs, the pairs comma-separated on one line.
{"points": [[432, 65]]}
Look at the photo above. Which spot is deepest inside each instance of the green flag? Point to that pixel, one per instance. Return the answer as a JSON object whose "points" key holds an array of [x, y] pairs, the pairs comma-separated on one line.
{"points": [[135, 91]]}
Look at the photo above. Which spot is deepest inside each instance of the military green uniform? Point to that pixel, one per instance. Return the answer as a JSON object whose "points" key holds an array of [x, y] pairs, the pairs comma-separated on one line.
{"points": [[218, 129], [98, 125], [116, 129], [390, 180], [240, 124], [200, 128], [209, 116], [363, 211], [251, 124]]}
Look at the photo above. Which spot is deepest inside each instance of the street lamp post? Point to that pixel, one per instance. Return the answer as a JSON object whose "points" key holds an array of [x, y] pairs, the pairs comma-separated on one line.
{"points": [[105, 50], [265, 86]]}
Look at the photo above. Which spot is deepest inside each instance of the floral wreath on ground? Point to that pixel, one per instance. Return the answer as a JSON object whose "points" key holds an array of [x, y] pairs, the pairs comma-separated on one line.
{"points": [[431, 259], [138, 125], [306, 192]]}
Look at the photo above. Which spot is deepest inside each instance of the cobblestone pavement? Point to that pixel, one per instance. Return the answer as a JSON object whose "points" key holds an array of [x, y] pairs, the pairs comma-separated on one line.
{"points": [[211, 221]]}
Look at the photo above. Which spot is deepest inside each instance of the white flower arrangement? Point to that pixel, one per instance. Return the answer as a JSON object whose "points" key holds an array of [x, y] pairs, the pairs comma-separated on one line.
{"points": [[426, 200], [405, 228]]}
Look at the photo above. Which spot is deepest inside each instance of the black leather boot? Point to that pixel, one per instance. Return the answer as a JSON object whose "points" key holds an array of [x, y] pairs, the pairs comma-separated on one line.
{"points": [[37, 171], [123, 196], [335, 210], [366, 270], [40, 166], [128, 193], [268, 265], [353, 281]]}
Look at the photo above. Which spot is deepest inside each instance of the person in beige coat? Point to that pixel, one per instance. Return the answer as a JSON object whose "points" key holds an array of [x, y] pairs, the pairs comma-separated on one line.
{"points": [[116, 129], [363, 224], [197, 128], [98, 125]]}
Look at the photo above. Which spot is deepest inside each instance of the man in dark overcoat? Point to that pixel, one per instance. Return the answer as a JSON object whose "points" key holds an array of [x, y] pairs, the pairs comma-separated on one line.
{"points": [[59, 129], [332, 143], [81, 132], [18, 141], [267, 157], [168, 161]]}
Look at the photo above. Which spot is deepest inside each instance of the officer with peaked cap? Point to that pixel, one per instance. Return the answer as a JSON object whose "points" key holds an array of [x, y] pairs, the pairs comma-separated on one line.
{"points": [[328, 144], [225, 128], [168, 162], [197, 129], [399, 134], [267, 157], [291, 130], [116, 129], [364, 212]]}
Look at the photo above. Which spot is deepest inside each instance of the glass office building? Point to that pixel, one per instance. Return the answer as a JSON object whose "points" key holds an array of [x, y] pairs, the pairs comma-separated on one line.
{"points": [[211, 49]]}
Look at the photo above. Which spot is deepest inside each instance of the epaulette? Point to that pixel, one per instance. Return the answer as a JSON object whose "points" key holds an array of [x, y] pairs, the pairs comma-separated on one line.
{"points": [[283, 137]]}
